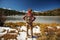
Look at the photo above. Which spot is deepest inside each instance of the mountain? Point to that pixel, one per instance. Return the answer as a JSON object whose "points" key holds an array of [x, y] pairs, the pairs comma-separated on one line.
{"points": [[54, 12], [8, 12]]}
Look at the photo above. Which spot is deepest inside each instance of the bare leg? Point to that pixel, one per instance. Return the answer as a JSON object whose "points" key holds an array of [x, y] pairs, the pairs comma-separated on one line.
{"points": [[32, 32]]}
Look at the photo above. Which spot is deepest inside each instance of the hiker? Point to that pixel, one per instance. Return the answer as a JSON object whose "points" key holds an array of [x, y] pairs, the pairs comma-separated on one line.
{"points": [[29, 18]]}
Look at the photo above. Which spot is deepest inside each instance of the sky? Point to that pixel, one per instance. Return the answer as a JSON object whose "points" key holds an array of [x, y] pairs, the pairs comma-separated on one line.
{"points": [[39, 5]]}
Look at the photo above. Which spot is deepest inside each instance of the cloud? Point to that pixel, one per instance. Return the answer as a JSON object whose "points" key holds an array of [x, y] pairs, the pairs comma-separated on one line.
{"points": [[36, 11], [9, 8]]}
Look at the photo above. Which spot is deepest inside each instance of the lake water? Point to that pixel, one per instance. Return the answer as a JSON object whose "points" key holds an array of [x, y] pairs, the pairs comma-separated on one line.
{"points": [[39, 19]]}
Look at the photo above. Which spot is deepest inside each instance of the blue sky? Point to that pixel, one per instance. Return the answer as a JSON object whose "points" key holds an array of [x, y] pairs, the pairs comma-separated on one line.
{"points": [[39, 5]]}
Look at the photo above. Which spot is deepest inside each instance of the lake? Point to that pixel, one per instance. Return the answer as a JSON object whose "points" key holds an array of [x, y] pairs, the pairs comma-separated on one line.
{"points": [[39, 19]]}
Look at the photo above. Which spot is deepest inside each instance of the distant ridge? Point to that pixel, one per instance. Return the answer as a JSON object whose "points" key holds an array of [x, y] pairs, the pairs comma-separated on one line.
{"points": [[54, 12]]}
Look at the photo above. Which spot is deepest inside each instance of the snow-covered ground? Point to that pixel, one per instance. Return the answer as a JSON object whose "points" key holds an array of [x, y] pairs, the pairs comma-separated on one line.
{"points": [[2, 29], [23, 35]]}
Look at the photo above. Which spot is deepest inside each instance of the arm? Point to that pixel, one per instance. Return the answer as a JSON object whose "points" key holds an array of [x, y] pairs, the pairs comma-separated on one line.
{"points": [[24, 17], [33, 18]]}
